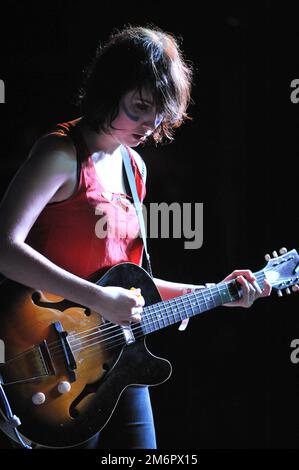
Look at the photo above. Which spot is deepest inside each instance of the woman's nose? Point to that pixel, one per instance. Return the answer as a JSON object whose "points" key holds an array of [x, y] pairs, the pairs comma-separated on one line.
{"points": [[152, 121]]}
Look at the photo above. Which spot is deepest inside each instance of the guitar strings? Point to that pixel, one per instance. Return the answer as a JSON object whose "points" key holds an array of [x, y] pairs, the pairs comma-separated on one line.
{"points": [[153, 309], [138, 326], [145, 323], [115, 340], [120, 334], [93, 350], [60, 359]]}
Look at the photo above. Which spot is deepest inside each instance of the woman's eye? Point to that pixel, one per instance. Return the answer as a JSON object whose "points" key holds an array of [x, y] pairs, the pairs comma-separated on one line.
{"points": [[141, 106]]}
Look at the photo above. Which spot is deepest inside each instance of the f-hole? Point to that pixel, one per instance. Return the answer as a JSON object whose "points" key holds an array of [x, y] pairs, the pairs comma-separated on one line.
{"points": [[61, 305], [88, 389]]}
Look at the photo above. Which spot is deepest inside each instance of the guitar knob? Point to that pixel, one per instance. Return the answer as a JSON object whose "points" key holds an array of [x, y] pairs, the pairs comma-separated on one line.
{"points": [[283, 250], [274, 253], [64, 387], [295, 288], [279, 293], [267, 257], [38, 398]]}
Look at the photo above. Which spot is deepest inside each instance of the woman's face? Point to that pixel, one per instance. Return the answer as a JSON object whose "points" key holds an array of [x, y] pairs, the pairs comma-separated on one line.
{"points": [[137, 118]]}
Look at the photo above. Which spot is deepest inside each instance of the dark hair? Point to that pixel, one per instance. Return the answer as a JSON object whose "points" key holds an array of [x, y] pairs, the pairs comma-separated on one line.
{"points": [[131, 59]]}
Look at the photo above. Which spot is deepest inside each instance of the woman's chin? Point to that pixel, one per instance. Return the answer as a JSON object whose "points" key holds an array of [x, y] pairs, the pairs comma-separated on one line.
{"points": [[135, 140]]}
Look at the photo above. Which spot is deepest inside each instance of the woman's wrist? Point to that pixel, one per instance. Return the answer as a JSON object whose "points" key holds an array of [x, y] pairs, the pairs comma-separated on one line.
{"points": [[95, 297], [192, 288]]}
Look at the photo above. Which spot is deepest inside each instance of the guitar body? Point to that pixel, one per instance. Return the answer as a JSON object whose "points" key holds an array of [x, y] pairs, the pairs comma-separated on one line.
{"points": [[61, 403]]}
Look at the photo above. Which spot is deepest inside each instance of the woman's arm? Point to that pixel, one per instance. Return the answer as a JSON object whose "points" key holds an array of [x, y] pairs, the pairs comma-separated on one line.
{"points": [[251, 291], [169, 289]]}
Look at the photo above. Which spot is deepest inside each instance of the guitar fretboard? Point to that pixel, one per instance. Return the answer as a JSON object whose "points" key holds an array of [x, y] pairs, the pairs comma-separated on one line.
{"points": [[169, 312]]}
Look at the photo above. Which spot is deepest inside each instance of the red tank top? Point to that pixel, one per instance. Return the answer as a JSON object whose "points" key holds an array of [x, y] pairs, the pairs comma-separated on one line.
{"points": [[93, 229]]}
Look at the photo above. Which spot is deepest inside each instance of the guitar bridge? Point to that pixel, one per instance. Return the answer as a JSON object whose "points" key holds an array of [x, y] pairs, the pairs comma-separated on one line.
{"points": [[68, 353]]}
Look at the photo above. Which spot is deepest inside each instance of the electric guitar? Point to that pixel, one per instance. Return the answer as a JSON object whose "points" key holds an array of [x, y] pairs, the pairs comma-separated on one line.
{"points": [[66, 367]]}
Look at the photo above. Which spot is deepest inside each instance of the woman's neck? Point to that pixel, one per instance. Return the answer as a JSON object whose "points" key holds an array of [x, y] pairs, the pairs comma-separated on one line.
{"points": [[98, 142]]}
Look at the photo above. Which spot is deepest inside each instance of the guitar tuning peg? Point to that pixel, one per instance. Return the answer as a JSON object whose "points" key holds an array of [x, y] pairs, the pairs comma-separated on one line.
{"points": [[295, 288], [267, 257], [274, 253], [283, 250], [287, 291], [279, 293]]}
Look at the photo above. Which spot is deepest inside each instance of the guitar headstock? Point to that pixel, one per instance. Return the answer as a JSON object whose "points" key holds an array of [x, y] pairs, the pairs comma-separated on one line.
{"points": [[283, 271]]}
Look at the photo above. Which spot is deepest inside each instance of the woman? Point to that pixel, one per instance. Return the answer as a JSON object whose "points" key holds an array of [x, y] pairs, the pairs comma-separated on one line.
{"points": [[137, 88]]}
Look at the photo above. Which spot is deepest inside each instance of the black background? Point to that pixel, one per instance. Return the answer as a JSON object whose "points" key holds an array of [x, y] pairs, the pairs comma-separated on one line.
{"points": [[233, 384]]}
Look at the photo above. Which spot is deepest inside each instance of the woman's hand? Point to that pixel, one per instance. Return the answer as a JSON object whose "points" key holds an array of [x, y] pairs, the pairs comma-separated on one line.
{"points": [[251, 290], [119, 305]]}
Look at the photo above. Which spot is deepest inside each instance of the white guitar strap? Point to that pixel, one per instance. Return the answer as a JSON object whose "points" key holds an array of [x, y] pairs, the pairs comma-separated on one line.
{"points": [[137, 204]]}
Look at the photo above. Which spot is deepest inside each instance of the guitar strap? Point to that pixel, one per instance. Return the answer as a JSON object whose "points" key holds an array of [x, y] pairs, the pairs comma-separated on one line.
{"points": [[137, 204]]}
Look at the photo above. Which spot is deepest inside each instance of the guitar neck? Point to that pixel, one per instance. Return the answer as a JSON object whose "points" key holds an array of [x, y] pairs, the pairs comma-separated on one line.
{"points": [[168, 312]]}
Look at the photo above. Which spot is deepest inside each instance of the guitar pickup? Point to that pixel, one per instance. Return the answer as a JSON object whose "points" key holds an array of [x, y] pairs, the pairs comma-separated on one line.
{"points": [[68, 353]]}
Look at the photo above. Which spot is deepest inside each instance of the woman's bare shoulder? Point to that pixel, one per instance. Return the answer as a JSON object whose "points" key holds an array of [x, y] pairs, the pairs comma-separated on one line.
{"points": [[54, 143]]}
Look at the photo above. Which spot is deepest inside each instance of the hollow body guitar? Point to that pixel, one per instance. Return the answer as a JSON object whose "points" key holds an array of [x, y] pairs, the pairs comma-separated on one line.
{"points": [[66, 367]]}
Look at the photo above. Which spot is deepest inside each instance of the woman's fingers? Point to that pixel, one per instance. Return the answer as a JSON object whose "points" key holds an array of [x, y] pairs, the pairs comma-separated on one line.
{"points": [[249, 292], [241, 272], [266, 289], [140, 302], [250, 288], [137, 309]]}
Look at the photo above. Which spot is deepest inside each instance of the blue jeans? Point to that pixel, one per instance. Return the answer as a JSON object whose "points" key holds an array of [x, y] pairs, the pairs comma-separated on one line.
{"points": [[131, 425]]}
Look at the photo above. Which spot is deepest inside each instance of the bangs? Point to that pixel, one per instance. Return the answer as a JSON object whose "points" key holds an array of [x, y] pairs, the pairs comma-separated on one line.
{"points": [[164, 93]]}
